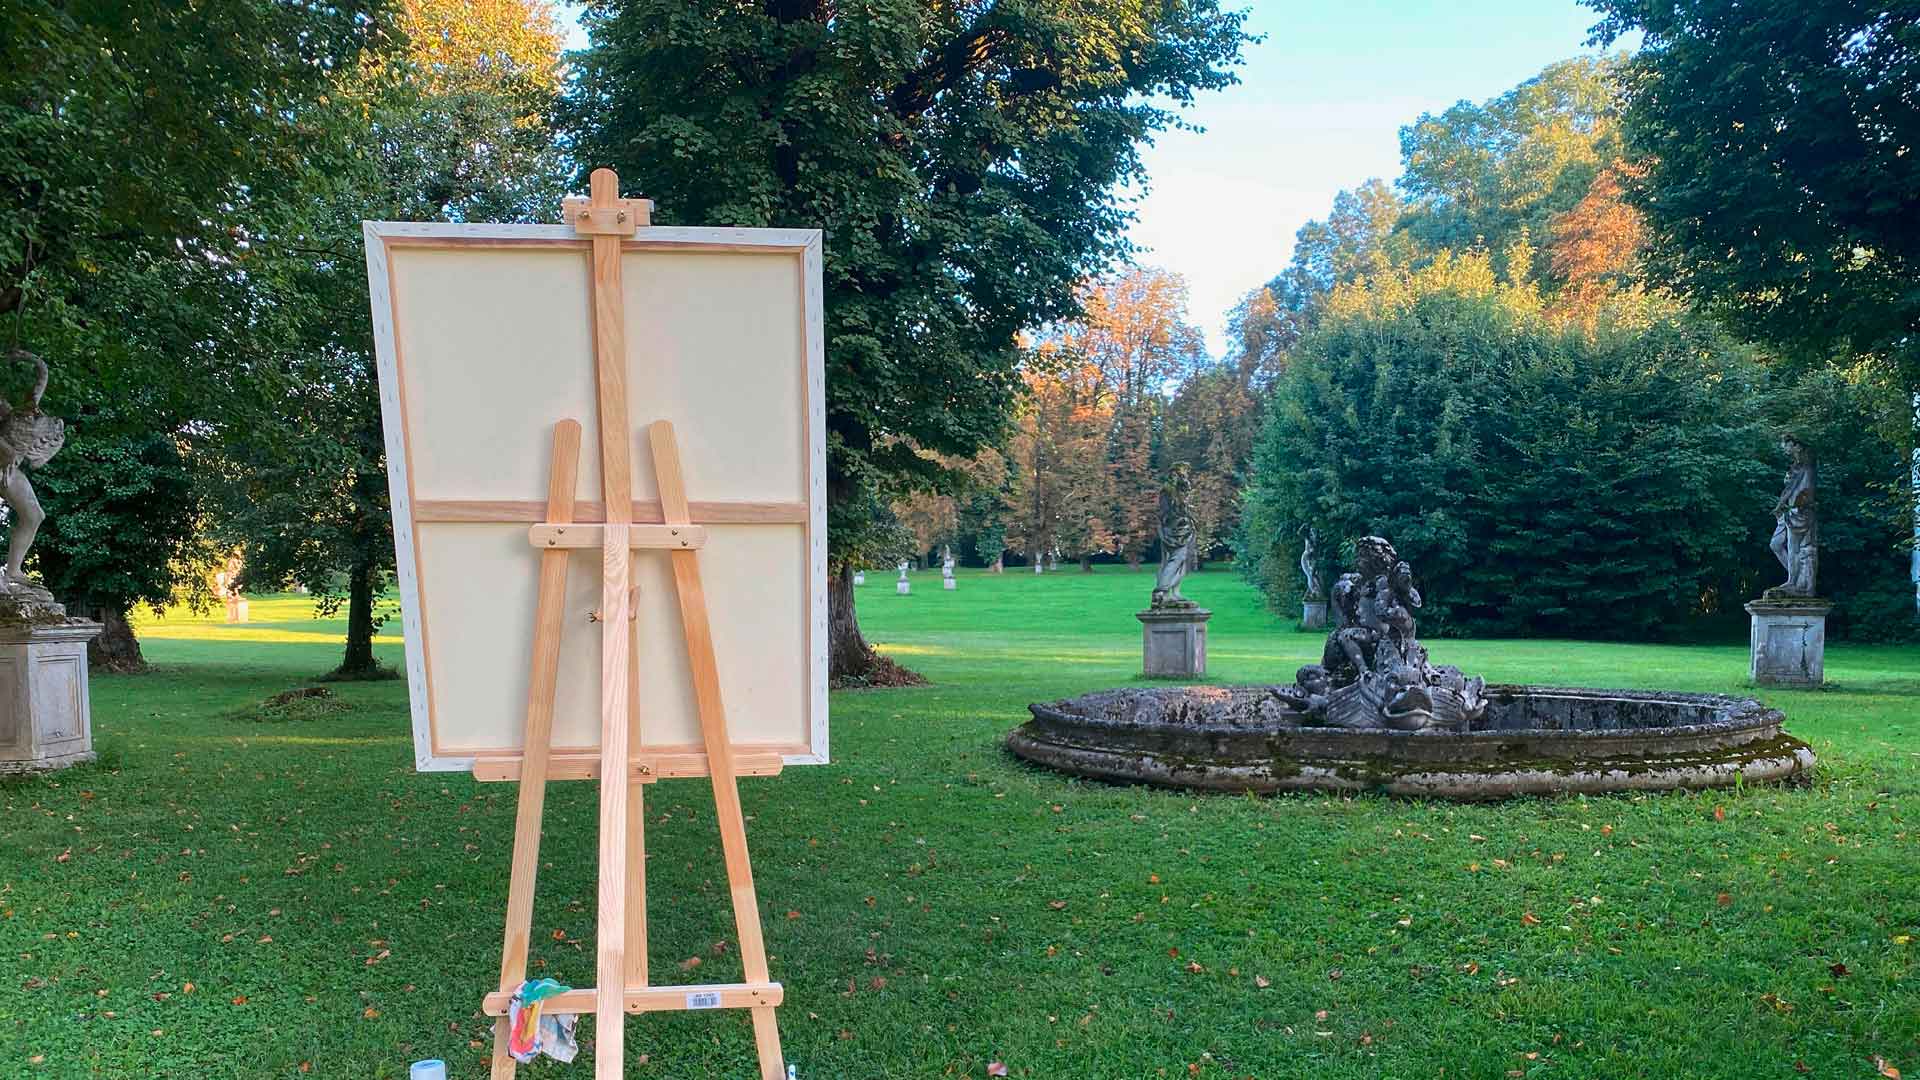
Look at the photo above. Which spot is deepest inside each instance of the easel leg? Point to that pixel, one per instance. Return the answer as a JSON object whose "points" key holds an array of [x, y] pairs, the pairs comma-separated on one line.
{"points": [[636, 836], [538, 743], [610, 1015], [713, 730]]}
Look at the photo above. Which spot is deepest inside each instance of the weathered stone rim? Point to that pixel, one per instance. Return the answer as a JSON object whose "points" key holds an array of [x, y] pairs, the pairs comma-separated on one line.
{"points": [[1742, 744]]}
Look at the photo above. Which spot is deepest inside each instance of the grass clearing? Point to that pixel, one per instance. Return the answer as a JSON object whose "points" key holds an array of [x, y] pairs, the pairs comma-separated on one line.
{"points": [[933, 906]]}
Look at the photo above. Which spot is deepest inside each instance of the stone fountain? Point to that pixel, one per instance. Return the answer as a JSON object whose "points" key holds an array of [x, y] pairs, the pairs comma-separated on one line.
{"points": [[1377, 714]]}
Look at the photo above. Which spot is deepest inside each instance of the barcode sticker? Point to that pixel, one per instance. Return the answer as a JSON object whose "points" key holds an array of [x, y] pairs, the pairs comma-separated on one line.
{"points": [[703, 999]]}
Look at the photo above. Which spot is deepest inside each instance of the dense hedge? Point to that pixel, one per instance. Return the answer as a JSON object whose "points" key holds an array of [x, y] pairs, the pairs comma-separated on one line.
{"points": [[1600, 481]]}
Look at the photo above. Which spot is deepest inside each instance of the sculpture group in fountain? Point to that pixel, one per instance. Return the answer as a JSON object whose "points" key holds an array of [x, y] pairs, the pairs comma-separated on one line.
{"points": [[1374, 672], [28, 438]]}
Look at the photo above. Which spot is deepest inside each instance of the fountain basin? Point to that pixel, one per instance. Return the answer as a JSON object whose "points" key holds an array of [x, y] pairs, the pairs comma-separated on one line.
{"points": [[1533, 740]]}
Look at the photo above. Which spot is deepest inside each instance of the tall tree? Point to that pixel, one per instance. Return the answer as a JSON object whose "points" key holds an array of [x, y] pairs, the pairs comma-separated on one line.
{"points": [[1060, 494], [451, 122], [963, 159], [134, 137], [1783, 148]]}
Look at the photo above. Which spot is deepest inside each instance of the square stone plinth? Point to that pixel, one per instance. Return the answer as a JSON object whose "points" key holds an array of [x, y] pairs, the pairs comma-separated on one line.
{"points": [[1174, 641], [1788, 645], [46, 718]]}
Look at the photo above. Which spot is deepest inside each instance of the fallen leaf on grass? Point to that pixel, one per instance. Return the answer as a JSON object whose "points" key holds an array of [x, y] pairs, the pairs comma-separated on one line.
{"points": [[689, 963], [1837, 970], [995, 1068], [1528, 918], [1261, 981], [240, 999], [1719, 813], [1885, 1069]]}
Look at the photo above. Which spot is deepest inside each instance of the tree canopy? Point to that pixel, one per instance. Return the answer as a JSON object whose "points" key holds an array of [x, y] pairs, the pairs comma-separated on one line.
{"points": [[965, 161], [1782, 153]]}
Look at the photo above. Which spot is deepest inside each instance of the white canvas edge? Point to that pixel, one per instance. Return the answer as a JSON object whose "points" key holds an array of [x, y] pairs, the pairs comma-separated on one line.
{"points": [[386, 356], [810, 282], [379, 288]]}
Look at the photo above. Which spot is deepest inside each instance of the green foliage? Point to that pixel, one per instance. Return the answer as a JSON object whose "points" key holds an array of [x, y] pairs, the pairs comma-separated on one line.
{"points": [[446, 120], [1541, 480], [122, 508], [129, 126], [1489, 174], [1784, 182], [135, 137], [963, 160]]}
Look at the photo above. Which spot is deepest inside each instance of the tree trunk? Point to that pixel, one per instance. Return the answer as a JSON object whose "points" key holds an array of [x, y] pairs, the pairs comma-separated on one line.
{"points": [[850, 660], [1086, 564], [848, 654], [116, 649], [999, 564], [359, 662]]}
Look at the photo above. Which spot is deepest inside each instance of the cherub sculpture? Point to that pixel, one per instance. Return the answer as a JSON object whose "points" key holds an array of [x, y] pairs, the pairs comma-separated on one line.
{"points": [[28, 437]]}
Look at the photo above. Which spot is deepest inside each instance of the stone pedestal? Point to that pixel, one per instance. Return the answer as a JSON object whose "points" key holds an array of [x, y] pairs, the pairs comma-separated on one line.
{"points": [[1788, 645], [1173, 641], [947, 583], [903, 587], [46, 719], [859, 577], [1313, 615]]}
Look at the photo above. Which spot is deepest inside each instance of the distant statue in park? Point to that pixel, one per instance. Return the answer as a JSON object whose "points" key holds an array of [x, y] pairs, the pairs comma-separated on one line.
{"points": [[1176, 544], [28, 438], [1309, 563], [1796, 530]]}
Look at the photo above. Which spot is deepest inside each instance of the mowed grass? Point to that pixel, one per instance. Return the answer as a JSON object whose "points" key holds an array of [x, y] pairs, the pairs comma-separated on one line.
{"points": [[224, 896]]}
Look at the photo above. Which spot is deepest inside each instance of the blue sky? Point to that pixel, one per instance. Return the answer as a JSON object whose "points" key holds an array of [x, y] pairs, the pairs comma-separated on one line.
{"points": [[1319, 108]]}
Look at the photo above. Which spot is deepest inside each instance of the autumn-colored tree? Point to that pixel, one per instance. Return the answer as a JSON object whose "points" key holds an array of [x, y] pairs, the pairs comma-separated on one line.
{"points": [[1596, 245], [1138, 347], [1059, 494]]}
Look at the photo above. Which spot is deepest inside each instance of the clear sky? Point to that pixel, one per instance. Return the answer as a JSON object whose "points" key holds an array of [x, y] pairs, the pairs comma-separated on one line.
{"points": [[1319, 108]]}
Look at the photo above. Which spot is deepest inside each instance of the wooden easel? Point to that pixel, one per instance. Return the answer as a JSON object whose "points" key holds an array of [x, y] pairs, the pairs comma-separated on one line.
{"points": [[621, 977]]}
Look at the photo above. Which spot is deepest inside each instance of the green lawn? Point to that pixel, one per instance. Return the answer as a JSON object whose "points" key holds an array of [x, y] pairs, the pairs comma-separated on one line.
{"points": [[227, 896]]}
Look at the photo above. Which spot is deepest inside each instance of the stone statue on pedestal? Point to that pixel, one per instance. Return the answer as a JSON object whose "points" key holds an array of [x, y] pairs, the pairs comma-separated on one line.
{"points": [[1176, 545], [1173, 628], [1313, 604], [1787, 645], [1309, 571], [28, 438], [46, 719], [1796, 531]]}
